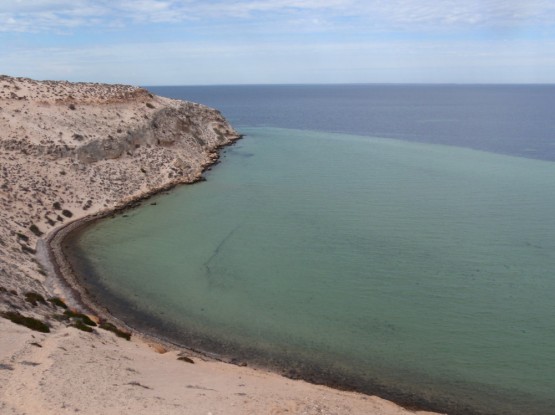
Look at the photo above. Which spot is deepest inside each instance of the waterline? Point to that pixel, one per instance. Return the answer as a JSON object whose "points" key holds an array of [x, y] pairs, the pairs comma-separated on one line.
{"points": [[419, 269]]}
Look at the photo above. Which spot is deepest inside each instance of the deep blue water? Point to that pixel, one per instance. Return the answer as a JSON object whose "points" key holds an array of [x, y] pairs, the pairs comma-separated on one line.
{"points": [[517, 120]]}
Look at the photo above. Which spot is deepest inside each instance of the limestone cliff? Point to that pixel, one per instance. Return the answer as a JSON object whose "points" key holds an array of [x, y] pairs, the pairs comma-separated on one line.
{"points": [[68, 150]]}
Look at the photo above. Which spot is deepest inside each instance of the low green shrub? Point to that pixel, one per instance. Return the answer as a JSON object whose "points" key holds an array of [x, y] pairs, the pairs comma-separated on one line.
{"points": [[60, 317], [29, 322], [23, 237], [83, 317], [110, 327], [80, 325], [34, 298], [35, 229], [57, 302], [28, 250]]}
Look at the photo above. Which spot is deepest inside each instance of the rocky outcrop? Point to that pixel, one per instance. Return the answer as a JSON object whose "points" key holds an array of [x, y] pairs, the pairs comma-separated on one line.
{"points": [[71, 150], [170, 127]]}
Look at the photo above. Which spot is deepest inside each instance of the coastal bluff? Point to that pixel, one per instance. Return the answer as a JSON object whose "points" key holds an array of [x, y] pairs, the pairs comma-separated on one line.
{"points": [[68, 150], [73, 150]]}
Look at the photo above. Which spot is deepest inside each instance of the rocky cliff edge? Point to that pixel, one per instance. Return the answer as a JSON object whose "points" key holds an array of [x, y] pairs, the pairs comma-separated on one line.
{"points": [[68, 150]]}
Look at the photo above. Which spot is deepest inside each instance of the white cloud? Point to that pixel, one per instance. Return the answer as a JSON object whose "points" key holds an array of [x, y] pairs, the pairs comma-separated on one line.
{"points": [[461, 12], [260, 62], [259, 41], [44, 15]]}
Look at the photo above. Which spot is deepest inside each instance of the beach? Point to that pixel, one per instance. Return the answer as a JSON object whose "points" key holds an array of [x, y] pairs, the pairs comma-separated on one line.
{"points": [[69, 371], [72, 152]]}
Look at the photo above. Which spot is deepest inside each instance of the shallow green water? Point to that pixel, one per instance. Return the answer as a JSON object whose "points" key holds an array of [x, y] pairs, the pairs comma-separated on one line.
{"points": [[422, 272]]}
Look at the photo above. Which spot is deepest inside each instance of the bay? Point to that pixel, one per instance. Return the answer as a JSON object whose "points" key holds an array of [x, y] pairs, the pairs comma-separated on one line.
{"points": [[418, 271]]}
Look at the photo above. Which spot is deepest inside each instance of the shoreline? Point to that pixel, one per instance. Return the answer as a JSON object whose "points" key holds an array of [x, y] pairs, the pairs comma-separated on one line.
{"points": [[76, 153], [65, 279]]}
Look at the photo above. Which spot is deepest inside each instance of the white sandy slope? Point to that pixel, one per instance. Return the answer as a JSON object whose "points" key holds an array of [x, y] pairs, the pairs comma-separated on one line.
{"points": [[140, 143], [69, 371]]}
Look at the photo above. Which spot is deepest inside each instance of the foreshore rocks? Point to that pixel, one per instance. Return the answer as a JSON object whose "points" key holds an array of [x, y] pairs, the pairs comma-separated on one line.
{"points": [[70, 150]]}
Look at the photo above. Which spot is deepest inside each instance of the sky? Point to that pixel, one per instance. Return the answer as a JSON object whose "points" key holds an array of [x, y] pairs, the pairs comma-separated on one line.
{"points": [[207, 42]]}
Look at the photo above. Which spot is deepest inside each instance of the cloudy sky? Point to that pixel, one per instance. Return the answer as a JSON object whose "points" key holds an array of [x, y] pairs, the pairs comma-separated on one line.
{"points": [[191, 42]]}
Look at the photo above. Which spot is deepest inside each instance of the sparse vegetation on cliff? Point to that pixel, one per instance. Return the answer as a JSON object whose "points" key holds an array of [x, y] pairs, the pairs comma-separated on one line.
{"points": [[110, 327], [57, 302], [68, 150], [80, 317], [34, 298], [29, 322]]}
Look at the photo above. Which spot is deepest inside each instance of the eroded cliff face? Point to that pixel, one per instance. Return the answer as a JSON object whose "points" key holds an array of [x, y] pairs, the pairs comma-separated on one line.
{"points": [[68, 150]]}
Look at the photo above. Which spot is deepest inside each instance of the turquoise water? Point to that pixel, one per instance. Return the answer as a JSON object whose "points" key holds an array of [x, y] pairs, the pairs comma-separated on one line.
{"points": [[418, 271]]}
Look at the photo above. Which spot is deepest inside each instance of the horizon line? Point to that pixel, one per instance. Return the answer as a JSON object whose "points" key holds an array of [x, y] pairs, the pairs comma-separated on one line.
{"points": [[357, 83]]}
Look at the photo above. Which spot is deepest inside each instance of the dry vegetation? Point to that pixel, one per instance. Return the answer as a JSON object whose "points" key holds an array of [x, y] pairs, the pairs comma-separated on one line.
{"points": [[72, 149]]}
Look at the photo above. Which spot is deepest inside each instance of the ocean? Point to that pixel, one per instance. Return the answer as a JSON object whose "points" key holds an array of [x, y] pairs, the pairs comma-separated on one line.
{"points": [[396, 240], [515, 120]]}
